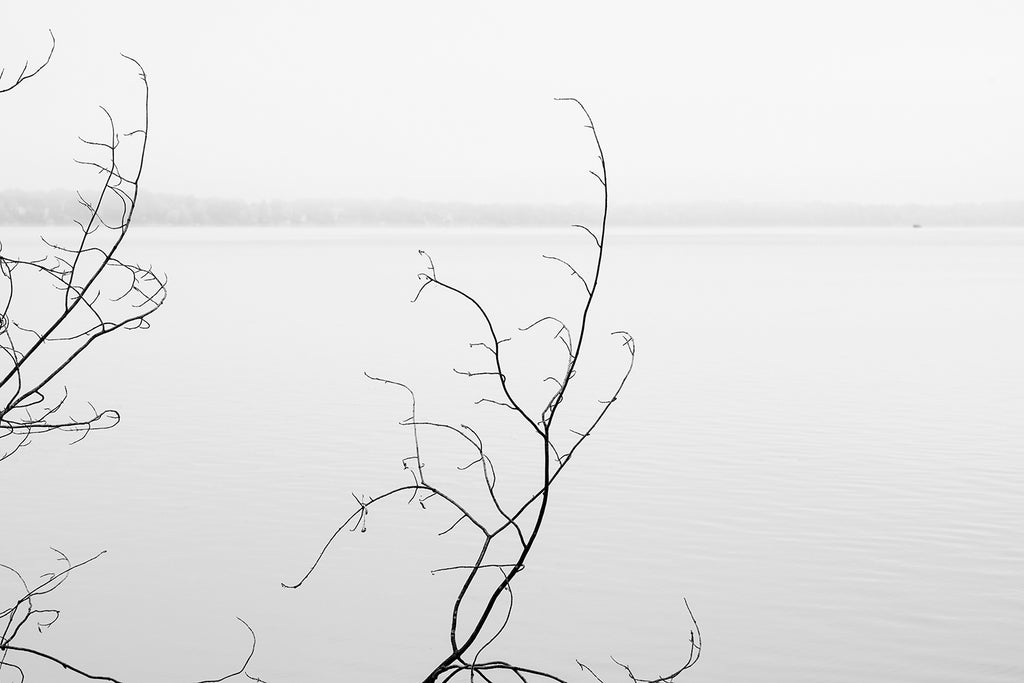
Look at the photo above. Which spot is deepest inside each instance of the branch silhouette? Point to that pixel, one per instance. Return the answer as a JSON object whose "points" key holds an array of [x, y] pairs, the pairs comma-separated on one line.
{"points": [[56, 305], [26, 71], [494, 571], [52, 308]]}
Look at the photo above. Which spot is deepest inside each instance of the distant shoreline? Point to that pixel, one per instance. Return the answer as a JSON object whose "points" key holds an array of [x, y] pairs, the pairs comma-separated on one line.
{"points": [[60, 207]]}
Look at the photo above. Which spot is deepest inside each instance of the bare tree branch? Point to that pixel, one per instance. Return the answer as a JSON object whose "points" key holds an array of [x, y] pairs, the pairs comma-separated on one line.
{"points": [[52, 309], [492, 573], [25, 73], [100, 293], [23, 610]]}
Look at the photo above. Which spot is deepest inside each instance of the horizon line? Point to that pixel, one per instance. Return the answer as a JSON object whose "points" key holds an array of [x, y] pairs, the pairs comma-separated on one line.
{"points": [[55, 206]]}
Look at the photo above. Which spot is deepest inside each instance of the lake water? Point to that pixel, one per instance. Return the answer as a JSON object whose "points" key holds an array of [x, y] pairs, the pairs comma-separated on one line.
{"points": [[821, 448]]}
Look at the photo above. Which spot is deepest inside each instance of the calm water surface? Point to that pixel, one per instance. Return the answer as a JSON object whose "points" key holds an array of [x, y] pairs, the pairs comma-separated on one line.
{"points": [[820, 448]]}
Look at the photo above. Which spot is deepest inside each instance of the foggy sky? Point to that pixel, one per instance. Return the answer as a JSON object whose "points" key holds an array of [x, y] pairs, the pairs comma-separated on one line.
{"points": [[452, 101]]}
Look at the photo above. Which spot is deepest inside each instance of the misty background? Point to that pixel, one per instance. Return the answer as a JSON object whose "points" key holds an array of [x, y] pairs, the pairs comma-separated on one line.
{"points": [[714, 104], [819, 446]]}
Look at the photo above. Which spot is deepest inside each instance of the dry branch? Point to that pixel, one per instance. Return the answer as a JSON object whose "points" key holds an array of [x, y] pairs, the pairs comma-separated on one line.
{"points": [[52, 308], [490, 571], [55, 306], [27, 71]]}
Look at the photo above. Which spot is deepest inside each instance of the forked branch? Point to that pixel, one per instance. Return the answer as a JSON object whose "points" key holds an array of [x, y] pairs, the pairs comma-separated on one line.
{"points": [[55, 306], [24, 610], [52, 308], [27, 72], [491, 574]]}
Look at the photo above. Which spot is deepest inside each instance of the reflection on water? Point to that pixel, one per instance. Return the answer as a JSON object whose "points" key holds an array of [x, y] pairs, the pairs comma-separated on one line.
{"points": [[820, 448]]}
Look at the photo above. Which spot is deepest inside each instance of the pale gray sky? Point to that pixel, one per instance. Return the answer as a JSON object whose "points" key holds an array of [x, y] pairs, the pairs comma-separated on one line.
{"points": [[894, 101]]}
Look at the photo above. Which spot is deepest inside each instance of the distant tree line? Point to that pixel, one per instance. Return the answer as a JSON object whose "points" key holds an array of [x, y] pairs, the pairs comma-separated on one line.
{"points": [[58, 207], [61, 207]]}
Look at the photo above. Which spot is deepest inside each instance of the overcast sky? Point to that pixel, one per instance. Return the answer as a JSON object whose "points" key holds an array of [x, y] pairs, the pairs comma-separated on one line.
{"points": [[452, 101]]}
